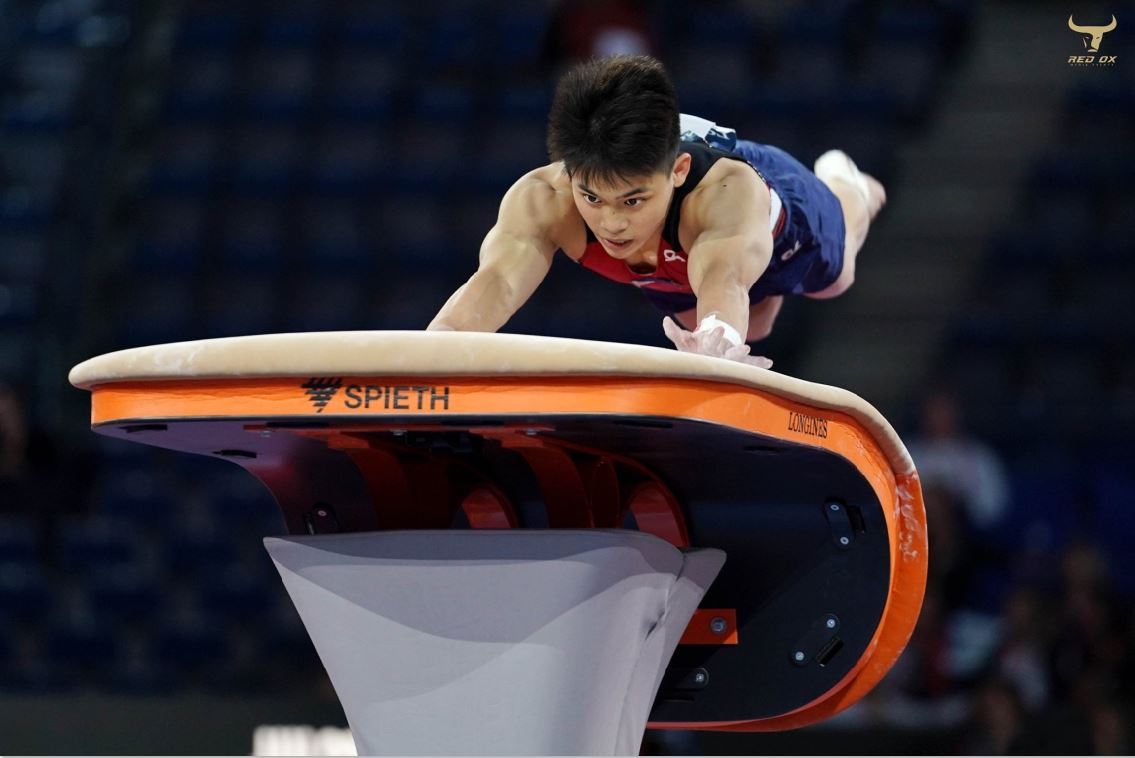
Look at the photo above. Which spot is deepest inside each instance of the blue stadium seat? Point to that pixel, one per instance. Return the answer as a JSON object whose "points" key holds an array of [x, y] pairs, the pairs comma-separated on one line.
{"points": [[516, 35], [186, 162], [522, 102], [238, 592], [362, 86], [197, 550], [902, 25], [283, 634], [364, 24], [155, 309], [451, 42], [348, 161], [471, 218], [426, 157], [35, 114], [1047, 504], [409, 301], [415, 232], [189, 643], [442, 102], [24, 589], [236, 302], [22, 210], [19, 303], [124, 592], [277, 86], [36, 674], [92, 540], [254, 234], [201, 87], [172, 237], [328, 298], [133, 492], [140, 672], [264, 161], [23, 257], [209, 26], [85, 644], [18, 350], [336, 237], [505, 152], [291, 25], [1113, 488], [909, 72], [33, 160]]}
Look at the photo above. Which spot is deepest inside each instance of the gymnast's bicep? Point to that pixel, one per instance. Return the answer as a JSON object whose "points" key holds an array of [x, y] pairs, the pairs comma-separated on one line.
{"points": [[519, 247]]}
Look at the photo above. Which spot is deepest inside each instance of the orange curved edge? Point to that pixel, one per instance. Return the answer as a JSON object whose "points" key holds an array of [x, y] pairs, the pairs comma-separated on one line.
{"points": [[385, 399]]}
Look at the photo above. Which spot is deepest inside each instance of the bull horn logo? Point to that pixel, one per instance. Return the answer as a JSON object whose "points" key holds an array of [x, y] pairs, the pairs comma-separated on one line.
{"points": [[1095, 32]]}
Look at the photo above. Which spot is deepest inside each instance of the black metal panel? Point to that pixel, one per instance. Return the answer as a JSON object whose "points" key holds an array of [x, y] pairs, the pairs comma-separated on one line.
{"points": [[794, 563]]}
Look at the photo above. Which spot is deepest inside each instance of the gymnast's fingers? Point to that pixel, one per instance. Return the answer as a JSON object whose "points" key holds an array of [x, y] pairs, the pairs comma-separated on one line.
{"points": [[675, 333]]}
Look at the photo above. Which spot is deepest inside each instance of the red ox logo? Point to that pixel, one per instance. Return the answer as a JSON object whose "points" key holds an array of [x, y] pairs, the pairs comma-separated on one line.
{"points": [[1095, 32]]}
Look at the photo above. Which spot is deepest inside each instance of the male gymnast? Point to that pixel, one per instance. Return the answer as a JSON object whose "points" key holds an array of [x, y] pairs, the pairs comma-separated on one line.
{"points": [[714, 230]]}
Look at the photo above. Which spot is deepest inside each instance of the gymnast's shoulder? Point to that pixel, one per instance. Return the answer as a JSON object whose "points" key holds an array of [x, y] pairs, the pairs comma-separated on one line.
{"points": [[539, 204], [539, 200]]}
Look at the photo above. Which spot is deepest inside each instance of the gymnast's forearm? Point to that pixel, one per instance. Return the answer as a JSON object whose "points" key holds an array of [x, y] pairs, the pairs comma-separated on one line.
{"points": [[722, 293], [482, 304]]}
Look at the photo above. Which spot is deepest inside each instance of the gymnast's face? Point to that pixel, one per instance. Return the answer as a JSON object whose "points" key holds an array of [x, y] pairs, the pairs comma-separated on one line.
{"points": [[628, 216]]}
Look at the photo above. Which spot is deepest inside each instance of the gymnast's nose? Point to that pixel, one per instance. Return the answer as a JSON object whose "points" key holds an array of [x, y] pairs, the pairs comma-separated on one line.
{"points": [[614, 223]]}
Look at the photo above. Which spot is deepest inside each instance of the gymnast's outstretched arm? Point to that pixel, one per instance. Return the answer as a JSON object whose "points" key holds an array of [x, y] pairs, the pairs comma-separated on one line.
{"points": [[730, 252], [515, 257]]}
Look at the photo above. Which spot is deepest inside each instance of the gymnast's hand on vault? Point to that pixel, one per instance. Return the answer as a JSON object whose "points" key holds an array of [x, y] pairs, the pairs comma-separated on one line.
{"points": [[712, 343]]}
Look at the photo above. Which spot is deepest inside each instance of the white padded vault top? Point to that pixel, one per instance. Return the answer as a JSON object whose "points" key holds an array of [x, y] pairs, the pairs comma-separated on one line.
{"points": [[420, 353]]}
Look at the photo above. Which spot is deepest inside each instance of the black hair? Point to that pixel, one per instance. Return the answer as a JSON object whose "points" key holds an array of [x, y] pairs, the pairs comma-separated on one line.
{"points": [[614, 118]]}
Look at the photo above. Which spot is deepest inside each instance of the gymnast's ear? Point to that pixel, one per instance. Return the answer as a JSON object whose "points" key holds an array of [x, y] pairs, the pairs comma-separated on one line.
{"points": [[681, 169]]}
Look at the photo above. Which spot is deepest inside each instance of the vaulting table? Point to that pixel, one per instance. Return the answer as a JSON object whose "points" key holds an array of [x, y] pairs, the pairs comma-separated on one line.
{"points": [[514, 544]]}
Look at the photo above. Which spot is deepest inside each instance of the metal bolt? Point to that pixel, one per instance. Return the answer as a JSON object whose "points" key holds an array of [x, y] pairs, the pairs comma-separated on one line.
{"points": [[831, 623], [717, 625], [834, 507], [530, 432], [844, 541], [799, 656], [699, 677], [398, 432]]}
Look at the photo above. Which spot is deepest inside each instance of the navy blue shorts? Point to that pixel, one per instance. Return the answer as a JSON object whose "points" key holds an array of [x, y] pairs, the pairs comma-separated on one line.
{"points": [[808, 254]]}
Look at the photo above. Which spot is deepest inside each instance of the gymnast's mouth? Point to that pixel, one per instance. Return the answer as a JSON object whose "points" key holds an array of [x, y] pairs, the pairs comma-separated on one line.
{"points": [[616, 244]]}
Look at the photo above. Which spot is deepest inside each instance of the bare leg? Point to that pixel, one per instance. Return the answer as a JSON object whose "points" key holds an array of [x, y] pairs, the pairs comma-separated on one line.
{"points": [[688, 320], [761, 317], [860, 196]]}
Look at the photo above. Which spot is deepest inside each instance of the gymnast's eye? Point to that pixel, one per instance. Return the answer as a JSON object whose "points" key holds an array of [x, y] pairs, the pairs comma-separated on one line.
{"points": [[591, 199], [634, 202]]}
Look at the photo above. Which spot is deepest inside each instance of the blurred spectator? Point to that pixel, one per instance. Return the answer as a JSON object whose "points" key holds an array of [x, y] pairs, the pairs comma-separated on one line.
{"points": [[1111, 730], [1090, 651], [13, 444], [37, 476], [1022, 656], [949, 457], [583, 29], [997, 721], [921, 671], [956, 561]]}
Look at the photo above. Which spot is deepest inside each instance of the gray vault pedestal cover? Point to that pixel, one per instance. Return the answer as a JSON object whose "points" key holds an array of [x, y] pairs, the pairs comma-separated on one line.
{"points": [[495, 642]]}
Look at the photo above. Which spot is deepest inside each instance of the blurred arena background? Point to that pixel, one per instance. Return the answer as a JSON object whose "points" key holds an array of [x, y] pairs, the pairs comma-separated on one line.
{"points": [[185, 170]]}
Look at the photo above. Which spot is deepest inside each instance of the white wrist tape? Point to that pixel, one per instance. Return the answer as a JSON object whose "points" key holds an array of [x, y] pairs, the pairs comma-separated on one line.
{"points": [[711, 322]]}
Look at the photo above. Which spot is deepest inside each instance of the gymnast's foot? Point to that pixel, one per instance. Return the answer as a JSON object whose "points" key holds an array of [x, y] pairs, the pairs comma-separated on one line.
{"points": [[837, 165], [876, 195]]}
